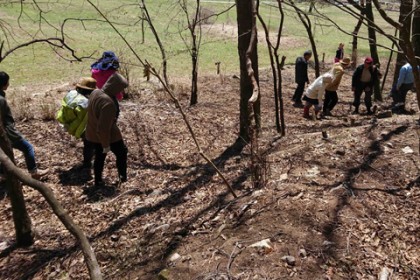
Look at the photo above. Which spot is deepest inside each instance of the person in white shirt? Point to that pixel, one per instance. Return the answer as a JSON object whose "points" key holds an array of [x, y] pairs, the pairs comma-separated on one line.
{"points": [[315, 92]]}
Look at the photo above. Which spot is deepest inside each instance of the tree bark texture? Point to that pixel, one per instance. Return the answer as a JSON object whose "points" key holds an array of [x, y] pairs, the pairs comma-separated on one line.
{"points": [[245, 21], [195, 45], [354, 42], [372, 46], [416, 29], [22, 222], [405, 9], [273, 65]]}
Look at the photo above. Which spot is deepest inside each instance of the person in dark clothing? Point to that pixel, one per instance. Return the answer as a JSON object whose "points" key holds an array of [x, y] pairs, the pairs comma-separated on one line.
{"points": [[364, 78], [102, 130], [339, 54], [301, 77], [17, 140]]}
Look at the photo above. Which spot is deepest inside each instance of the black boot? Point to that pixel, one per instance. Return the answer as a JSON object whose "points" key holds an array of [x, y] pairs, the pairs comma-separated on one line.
{"points": [[356, 111]]}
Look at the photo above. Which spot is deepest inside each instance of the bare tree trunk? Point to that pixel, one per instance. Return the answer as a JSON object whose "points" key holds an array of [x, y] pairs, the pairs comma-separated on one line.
{"points": [[195, 44], [373, 49], [391, 53], [308, 26], [280, 93], [22, 222], [92, 264], [279, 68], [406, 45], [416, 29], [273, 65], [354, 43], [405, 10], [245, 20], [146, 14], [194, 79], [275, 68]]}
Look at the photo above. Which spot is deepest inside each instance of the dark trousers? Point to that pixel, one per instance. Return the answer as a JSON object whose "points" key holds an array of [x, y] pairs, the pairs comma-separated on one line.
{"points": [[368, 95], [331, 99], [297, 97], [120, 151], [399, 96], [88, 149]]}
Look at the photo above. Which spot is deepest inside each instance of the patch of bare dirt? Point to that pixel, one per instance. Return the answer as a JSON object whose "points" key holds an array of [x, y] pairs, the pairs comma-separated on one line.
{"points": [[345, 207], [231, 32]]}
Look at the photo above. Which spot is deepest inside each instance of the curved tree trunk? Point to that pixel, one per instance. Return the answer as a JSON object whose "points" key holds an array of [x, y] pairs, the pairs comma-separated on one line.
{"points": [[22, 222], [92, 263]]}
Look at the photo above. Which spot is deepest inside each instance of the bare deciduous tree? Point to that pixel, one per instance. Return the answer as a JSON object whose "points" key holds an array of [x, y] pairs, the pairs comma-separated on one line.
{"points": [[276, 67], [194, 45], [306, 21], [406, 44], [248, 60]]}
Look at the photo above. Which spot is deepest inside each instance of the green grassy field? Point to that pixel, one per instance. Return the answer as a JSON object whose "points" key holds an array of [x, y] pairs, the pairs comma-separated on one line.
{"points": [[39, 64]]}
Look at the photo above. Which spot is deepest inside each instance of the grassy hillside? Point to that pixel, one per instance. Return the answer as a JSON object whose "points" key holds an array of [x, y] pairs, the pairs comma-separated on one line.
{"points": [[39, 64]]}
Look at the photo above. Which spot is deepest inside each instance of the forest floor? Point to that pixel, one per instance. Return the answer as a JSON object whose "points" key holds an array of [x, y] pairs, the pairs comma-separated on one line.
{"points": [[342, 207]]}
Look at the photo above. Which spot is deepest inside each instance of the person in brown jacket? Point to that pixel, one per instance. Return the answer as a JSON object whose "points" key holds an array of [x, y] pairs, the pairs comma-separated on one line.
{"points": [[331, 97], [102, 130]]}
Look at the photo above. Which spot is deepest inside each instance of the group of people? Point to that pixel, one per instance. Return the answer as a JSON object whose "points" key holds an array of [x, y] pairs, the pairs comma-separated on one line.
{"points": [[90, 112], [322, 93]]}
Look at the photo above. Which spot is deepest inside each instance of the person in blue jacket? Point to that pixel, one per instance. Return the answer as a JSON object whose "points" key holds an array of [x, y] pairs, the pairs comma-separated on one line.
{"points": [[405, 83]]}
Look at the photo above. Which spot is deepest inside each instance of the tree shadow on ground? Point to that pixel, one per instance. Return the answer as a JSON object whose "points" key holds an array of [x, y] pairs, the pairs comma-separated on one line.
{"points": [[75, 176], [3, 191], [96, 193], [374, 151], [173, 200]]}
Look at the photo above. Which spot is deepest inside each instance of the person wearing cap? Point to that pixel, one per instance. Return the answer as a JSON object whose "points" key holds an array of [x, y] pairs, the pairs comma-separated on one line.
{"points": [[104, 68], [363, 80], [314, 93], [102, 130], [405, 83], [17, 140], [331, 97], [73, 115], [301, 77]]}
